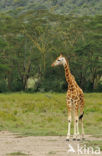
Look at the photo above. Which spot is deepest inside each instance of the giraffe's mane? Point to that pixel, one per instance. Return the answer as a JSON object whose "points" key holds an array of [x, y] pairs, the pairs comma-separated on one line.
{"points": [[68, 66], [66, 60]]}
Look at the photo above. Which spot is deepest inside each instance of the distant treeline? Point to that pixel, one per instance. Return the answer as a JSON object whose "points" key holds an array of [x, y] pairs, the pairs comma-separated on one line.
{"points": [[78, 7], [30, 42]]}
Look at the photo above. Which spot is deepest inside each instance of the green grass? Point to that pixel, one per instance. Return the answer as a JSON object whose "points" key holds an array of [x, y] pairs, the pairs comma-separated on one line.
{"points": [[46, 113], [16, 154], [51, 153]]}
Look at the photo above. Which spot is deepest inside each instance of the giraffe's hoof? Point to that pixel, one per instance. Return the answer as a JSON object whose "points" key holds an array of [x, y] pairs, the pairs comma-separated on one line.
{"points": [[83, 137], [78, 139], [74, 139], [67, 139]]}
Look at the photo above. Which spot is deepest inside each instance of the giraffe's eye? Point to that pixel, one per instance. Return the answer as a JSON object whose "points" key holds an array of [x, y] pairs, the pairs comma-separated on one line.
{"points": [[58, 60]]}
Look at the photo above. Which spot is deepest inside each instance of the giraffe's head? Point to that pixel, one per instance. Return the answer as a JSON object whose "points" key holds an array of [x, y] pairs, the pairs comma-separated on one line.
{"points": [[59, 61]]}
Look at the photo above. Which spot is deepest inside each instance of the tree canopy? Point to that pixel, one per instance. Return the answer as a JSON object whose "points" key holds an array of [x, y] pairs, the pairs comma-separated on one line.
{"points": [[30, 42]]}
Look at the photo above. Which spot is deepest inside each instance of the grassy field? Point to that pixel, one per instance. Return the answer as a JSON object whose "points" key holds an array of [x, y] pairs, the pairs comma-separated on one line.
{"points": [[46, 113]]}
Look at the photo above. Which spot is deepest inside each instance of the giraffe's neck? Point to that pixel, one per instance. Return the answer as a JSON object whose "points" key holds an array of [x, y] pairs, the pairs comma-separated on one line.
{"points": [[68, 74]]}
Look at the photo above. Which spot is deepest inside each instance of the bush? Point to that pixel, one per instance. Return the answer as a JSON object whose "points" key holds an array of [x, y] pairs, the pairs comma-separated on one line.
{"points": [[16, 85], [53, 85], [99, 87], [3, 86]]}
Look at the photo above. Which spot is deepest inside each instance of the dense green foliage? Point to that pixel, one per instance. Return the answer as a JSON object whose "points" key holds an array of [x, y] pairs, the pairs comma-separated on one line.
{"points": [[83, 7], [30, 42], [46, 114]]}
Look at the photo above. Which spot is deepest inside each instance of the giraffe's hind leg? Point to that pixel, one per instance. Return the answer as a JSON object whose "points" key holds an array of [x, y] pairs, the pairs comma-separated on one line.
{"points": [[74, 136], [82, 126], [81, 116], [83, 133]]}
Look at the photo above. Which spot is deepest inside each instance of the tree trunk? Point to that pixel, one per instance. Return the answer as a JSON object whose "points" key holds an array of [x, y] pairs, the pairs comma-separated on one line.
{"points": [[9, 81]]}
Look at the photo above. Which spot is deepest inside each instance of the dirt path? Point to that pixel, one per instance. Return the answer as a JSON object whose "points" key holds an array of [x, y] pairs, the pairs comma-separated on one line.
{"points": [[10, 144]]}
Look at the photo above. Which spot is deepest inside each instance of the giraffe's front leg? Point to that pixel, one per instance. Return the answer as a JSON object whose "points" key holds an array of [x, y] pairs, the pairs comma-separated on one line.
{"points": [[69, 127], [74, 136], [69, 120]]}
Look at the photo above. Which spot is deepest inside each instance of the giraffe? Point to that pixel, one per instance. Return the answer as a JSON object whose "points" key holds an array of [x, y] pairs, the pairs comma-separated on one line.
{"points": [[74, 99]]}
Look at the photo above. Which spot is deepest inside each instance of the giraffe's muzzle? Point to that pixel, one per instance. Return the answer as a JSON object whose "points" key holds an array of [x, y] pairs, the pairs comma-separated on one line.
{"points": [[52, 65]]}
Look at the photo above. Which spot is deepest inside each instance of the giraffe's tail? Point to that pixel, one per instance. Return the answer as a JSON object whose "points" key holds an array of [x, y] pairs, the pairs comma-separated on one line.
{"points": [[81, 116]]}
